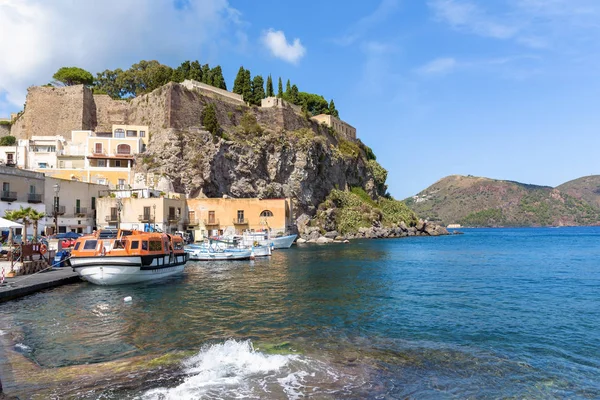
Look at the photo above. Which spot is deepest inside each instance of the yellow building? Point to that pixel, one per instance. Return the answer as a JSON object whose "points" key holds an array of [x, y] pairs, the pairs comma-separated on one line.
{"points": [[132, 131], [99, 157], [225, 215]]}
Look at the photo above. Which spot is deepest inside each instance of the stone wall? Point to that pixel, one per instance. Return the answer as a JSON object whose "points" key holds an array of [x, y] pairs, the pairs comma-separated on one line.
{"points": [[54, 111], [4, 130], [209, 90], [109, 112]]}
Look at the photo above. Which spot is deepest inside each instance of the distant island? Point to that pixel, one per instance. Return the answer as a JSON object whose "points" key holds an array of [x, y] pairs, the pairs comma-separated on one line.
{"points": [[483, 202]]}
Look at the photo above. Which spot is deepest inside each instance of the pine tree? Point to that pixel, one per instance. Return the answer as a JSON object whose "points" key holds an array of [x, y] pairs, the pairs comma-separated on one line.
{"points": [[288, 89], [258, 89], [269, 86], [280, 89], [238, 83], [332, 110]]}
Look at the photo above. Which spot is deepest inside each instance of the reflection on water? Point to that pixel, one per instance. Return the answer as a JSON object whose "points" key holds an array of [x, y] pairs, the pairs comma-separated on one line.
{"points": [[501, 313]]}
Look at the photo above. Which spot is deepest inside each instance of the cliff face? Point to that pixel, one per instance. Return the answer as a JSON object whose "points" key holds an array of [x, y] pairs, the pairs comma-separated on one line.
{"points": [[283, 154]]}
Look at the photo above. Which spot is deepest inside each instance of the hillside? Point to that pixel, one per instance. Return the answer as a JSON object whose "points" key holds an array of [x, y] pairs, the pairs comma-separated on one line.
{"points": [[476, 201], [586, 188]]}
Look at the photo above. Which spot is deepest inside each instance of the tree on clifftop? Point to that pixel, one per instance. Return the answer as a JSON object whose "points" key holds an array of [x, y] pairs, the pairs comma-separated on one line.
{"points": [[280, 89], [209, 119], [70, 76], [270, 92], [258, 90], [238, 83], [332, 109]]}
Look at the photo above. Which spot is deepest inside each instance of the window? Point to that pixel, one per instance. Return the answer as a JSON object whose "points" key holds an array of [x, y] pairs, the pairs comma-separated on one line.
{"points": [[155, 245], [98, 148], [119, 244], [113, 213], [78, 207], [145, 245], [146, 213], [211, 217], [119, 133], [102, 163], [101, 181], [32, 189], [42, 165], [135, 244], [90, 245], [131, 133], [123, 149], [121, 184], [172, 213], [93, 203], [266, 213], [118, 163], [10, 158], [240, 216], [77, 245], [6, 187], [142, 133]]}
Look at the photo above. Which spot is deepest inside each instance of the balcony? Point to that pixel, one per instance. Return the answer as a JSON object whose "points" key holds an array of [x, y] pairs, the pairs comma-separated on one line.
{"points": [[173, 219], [80, 211], [211, 222], [111, 218], [52, 211], [240, 221], [34, 198], [123, 154], [144, 218], [8, 196], [192, 222]]}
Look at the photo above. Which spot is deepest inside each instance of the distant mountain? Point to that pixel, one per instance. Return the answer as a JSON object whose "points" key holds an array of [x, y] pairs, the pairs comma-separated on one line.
{"points": [[476, 201], [586, 188]]}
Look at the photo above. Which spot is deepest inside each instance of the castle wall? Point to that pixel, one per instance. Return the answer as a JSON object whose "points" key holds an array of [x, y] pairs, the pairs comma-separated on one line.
{"points": [[53, 111], [108, 112], [208, 89]]}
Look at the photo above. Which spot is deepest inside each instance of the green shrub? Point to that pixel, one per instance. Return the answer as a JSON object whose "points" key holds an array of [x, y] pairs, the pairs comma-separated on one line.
{"points": [[8, 141]]}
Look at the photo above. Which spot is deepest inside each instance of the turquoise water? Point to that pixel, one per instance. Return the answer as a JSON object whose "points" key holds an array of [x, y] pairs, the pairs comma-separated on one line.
{"points": [[493, 313]]}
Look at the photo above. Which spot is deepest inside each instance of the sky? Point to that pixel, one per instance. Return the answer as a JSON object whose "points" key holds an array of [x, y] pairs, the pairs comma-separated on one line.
{"points": [[506, 89]]}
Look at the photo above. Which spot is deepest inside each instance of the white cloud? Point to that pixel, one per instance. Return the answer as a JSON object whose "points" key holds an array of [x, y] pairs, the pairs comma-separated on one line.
{"points": [[439, 66], [41, 37], [278, 45]]}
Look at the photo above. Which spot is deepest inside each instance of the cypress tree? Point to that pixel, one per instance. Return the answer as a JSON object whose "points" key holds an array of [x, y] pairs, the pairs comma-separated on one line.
{"points": [[195, 71], [247, 88], [288, 89], [332, 109], [258, 89], [280, 89], [209, 119], [238, 83], [206, 74], [293, 98], [269, 86], [217, 79]]}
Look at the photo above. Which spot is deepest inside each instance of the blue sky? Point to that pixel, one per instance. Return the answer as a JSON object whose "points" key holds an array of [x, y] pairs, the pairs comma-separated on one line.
{"points": [[506, 89]]}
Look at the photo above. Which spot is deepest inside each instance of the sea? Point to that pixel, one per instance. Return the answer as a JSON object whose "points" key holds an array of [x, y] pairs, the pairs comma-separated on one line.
{"points": [[487, 314]]}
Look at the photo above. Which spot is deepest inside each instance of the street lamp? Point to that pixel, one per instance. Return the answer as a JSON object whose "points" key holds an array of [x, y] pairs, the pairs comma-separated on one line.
{"points": [[56, 207], [154, 219], [119, 208]]}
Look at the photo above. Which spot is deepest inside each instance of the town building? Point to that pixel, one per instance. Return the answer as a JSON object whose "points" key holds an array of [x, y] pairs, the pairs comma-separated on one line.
{"points": [[70, 205], [21, 188], [343, 128]]}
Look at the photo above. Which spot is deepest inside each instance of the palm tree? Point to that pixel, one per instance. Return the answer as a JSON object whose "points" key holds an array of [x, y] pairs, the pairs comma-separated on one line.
{"points": [[35, 217], [11, 215], [22, 214]]}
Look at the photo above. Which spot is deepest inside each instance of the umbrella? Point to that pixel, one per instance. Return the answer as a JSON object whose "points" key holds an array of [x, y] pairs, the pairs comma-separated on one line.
{"points": [[6, 224]]}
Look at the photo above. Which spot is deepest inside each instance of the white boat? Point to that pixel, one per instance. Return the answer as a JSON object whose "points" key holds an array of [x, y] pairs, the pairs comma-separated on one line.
{"points": [[127, 256], [265, 239], [212, 252]]}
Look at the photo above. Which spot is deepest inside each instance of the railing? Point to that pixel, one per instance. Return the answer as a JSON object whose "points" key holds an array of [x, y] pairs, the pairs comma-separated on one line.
{"points": [[99, 153], [34, 198], [110, 218], [52, 211], [123, 153], [173, 218], [8, 196], [144, 218], [193, 221], [240, 221], [211, 222], [80, 211]]}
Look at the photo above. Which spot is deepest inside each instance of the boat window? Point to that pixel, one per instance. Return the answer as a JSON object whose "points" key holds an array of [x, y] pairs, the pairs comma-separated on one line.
{"points": [[134, 244], [145, 245], [155, 245], [77, 245], [126, 233], [90, 245], [119, 244], [178, 245]]}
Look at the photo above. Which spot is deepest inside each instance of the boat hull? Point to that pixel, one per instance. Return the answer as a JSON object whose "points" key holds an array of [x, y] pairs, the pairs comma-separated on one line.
{"points": [[120, 270], [210, 255]]}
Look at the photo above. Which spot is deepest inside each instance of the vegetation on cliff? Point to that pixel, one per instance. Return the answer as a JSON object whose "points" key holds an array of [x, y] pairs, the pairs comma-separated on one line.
{"points": [[348, 211], [586, 188], [474, 201], [69, 76]]}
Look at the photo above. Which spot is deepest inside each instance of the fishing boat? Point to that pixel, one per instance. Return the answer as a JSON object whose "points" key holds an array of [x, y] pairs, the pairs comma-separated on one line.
{"points": [[264, 238], [213, 251], [114, 257]]}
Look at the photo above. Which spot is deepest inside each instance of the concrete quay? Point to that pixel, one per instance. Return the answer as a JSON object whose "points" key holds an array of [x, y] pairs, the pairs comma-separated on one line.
{"points": [[24, 285]]}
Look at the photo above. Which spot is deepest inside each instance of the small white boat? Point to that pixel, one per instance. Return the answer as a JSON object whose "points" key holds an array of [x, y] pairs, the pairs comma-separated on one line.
{"points": [[212, 252], [265, 239]]}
